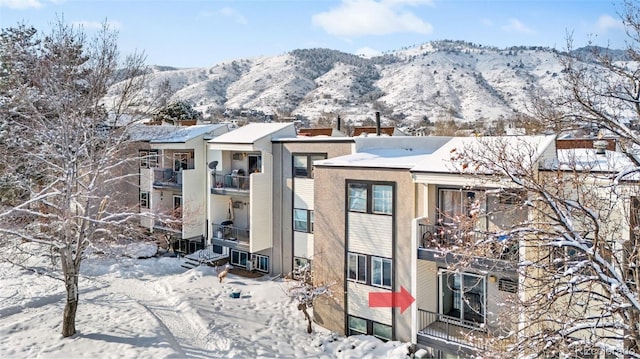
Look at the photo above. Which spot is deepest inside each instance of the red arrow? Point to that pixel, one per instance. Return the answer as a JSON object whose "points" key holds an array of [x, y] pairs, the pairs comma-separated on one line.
{"points": [[402, 299]]}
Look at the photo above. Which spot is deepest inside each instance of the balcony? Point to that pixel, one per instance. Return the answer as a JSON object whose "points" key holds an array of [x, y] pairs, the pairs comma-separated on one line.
{"points": [[227, 235], [236, 183], [167, 178], [444, 242], [451, 333]]}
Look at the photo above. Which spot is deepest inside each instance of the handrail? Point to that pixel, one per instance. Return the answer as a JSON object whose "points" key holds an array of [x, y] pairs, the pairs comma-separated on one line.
{"points": [[231, 182], [450, 329], [229, 232], [440, 236]]}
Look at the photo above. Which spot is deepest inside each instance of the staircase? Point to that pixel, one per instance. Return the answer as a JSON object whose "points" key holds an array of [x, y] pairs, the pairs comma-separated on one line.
{"points": [[190, 263], [204, 256]]}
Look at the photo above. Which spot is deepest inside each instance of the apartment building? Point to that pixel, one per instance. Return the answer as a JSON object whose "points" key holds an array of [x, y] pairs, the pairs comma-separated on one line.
{"points": [[241, 194], [172, 178], [364, 203], [384, 218], [459, 299]]}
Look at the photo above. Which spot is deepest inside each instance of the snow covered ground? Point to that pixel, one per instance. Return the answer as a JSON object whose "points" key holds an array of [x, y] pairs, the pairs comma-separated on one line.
{"points": [[153, 308]]}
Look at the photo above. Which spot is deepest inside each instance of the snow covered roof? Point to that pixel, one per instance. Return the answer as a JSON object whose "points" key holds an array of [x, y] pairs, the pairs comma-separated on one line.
{"points": [[387, 152], [170, 134], [586, 159], [440, 161], [253, 132]]}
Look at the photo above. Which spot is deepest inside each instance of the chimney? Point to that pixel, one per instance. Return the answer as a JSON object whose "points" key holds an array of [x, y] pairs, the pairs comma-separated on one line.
{"points": [[378, 130], [338, 123]]}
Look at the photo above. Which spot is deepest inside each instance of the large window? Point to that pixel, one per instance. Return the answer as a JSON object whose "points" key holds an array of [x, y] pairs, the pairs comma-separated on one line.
{"points": [[302, 220], [381, 272], [303, 164], [463, 297], [370, 198], [357, 270]]}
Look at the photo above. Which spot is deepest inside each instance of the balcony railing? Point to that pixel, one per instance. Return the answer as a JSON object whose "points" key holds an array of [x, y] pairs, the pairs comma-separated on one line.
{"points": [[167, 177], [230, 182], [447, 236], [227, 232], [451, 330]]}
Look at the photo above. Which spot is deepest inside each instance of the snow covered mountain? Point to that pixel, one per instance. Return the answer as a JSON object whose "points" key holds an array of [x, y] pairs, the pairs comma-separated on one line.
{"points": [[439, 80]]}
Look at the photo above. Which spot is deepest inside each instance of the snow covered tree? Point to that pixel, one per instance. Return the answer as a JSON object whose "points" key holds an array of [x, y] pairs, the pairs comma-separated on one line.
{"points": [[579, 262], [304, 292], [63, 148], [177, 112]]}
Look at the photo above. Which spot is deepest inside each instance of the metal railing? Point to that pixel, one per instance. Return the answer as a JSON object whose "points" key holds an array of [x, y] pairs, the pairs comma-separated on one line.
{"points": [[167, 176], [451, 329], [230, 233], [231, 182], [443, 236]]}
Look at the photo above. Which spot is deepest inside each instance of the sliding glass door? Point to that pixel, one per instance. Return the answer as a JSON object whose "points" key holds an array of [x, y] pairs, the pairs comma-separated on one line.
{"points": [[462, 297]]}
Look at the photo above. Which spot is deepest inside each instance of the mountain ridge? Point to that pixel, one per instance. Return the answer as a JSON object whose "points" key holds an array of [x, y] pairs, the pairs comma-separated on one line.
{"points": [[430, 82]]}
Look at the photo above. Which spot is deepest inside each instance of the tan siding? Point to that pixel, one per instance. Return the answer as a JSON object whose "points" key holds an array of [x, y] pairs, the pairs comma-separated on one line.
{"points": [[303, 193], [370, 234], [302, 245], [358, 303], [427, 286]]}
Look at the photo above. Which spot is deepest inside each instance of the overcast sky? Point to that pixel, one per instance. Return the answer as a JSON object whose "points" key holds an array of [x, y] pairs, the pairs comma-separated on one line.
{"points": [[190, 33]]}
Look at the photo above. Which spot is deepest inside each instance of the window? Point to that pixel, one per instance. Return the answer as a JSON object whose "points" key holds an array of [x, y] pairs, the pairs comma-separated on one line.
{"points": [[299, 262], [382, 331], [302, 220], [381, 272], [382, 199], [148, 159], [180, 161], [144, 199], [261, 262], [239, 258], [144, 159], [177, 202], [303, 164], [357, 270], [357, 326], [357, 197], [462, 297], [456, 204], [373, 198]]}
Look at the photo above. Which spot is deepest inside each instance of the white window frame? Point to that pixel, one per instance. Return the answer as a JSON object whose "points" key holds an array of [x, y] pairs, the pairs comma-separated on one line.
{"points": [[360, 259], [259, 264], [240, 255], [386, 200], [380, 262]]}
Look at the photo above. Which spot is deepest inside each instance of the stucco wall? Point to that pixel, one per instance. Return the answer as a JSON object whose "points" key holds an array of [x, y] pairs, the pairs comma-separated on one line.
{"points": [[330, 238]]}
